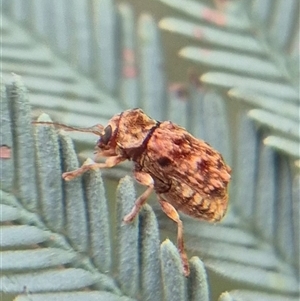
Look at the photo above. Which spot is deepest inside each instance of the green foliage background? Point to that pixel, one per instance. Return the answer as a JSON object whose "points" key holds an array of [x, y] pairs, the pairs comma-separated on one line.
{"points": [[236, 87]]}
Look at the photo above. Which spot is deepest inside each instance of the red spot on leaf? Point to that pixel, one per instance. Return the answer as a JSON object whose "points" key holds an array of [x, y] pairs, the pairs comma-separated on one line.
{"points": [[129, 72], [5, 152], [129, 68], [198, 33], [214, 17], [128, 55]]}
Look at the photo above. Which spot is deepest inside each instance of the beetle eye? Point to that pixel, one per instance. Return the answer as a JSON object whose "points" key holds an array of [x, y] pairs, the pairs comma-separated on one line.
{"points": [[107, 135]]}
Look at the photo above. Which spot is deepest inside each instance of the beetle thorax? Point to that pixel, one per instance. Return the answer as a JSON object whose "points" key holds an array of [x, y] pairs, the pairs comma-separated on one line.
{"points": [[134, 129]]}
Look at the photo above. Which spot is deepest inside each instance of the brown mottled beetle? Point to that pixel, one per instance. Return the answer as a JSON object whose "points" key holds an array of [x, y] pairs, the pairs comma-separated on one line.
{"points": [[186, 173]]}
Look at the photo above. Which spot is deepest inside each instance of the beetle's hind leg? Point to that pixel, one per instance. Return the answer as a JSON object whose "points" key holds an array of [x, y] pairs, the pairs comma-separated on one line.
{"points": [[144, 179], [171, 212]]}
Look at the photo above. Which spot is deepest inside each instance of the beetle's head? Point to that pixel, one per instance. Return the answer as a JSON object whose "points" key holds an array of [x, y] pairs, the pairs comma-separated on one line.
{"points": [[107, 140], [106, 144]]}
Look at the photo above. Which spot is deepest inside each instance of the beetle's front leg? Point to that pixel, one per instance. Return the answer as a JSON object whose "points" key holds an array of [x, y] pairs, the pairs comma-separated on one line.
{"points": [[87, 165], [144, 179]]}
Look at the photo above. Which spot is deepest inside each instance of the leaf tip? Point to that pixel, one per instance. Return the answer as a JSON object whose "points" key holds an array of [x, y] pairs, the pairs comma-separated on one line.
{"points": [[44, 118]]}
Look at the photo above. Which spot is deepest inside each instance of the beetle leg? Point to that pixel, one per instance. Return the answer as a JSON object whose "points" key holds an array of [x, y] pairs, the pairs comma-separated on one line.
{"points": [[144, 179], [171, 212], [87, 165]]}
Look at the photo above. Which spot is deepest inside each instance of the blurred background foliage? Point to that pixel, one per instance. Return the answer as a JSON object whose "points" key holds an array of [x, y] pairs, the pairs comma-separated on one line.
{"points": [[228, 71]]}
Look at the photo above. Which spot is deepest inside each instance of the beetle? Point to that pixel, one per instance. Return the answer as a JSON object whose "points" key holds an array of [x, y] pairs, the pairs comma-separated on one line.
{"points": [[186, 173]]}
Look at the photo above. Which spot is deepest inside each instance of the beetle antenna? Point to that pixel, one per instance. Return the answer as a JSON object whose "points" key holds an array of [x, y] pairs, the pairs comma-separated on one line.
{"points": [[96, 129]]}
